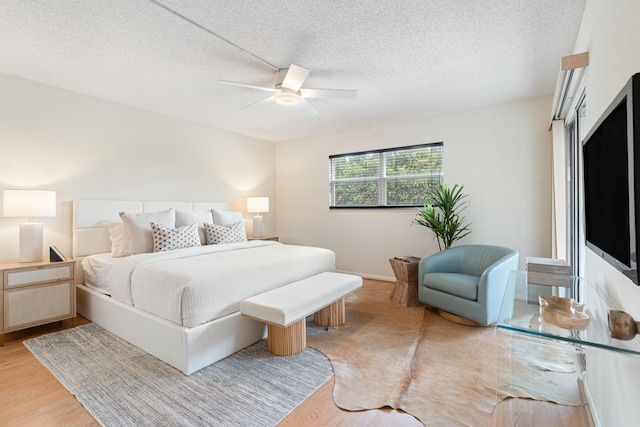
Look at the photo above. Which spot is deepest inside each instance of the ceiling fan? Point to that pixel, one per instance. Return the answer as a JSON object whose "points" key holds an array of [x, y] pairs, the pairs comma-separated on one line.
{"points": [[288, 89], [288, 83]]}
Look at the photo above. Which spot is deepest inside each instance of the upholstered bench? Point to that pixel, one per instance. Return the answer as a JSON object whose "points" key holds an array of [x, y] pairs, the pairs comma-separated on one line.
{"points": [[285, 309]]}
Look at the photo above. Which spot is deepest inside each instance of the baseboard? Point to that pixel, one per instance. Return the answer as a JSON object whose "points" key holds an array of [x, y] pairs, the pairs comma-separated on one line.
{"points": [[590, 407]]}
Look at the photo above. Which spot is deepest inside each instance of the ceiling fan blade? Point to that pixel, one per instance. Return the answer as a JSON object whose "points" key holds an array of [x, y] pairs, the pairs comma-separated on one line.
{"points": [[329, 93], [267, 89], [265, 100], [306, 108], [294, 78]]}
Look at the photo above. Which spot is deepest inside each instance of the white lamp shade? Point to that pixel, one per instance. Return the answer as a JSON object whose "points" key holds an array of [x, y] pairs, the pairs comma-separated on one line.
{"points": [[28, 203], [258, 204]]}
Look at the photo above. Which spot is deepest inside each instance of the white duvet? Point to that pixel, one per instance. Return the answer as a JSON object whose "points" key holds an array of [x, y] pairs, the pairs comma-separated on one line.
{"points": [[196, 285]]}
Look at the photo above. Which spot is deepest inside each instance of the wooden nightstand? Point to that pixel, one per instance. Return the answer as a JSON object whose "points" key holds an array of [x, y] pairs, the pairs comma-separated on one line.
{"points": [[35, 293], [273, 238]]}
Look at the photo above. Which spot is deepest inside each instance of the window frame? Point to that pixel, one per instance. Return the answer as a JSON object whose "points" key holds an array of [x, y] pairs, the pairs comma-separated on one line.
{"points": [[382, 179]]}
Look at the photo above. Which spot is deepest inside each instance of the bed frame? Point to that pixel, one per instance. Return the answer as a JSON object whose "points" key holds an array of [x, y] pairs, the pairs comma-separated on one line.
{"points": [[187, 349]]}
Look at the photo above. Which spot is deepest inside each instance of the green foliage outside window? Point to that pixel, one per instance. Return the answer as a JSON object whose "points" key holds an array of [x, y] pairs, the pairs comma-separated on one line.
{"points": [[356, 194], [405, 192], [413, 162], [360, 166], [399, 177]]}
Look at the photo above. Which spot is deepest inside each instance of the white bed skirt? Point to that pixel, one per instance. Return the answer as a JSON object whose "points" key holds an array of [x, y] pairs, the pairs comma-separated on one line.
{"points": [[186, 349]]}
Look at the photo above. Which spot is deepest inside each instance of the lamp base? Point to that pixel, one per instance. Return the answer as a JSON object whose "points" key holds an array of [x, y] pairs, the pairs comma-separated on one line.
{"points": [[30, 242], [257, 226]]}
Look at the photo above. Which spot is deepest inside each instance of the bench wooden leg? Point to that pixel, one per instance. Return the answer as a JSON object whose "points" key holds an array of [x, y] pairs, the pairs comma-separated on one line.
{"points": [[331, 315], [289, 340]]}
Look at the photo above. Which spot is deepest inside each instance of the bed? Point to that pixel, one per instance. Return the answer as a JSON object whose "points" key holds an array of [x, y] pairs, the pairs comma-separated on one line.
{"points": [[179, 305]]}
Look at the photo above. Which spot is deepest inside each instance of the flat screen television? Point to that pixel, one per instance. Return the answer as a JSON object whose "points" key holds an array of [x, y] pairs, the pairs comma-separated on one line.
{"points": [[611, 153]]}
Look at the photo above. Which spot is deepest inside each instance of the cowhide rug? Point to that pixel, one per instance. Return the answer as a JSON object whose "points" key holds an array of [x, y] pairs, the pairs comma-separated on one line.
{"points": [[440, 372]]}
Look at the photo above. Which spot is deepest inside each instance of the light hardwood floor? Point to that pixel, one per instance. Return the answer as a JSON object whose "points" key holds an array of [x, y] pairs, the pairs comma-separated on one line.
{"points": [[31, 396]]}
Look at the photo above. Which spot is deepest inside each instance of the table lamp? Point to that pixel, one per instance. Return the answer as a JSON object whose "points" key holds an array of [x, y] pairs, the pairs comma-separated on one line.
{"points": [[29, 204], [257, 205]]}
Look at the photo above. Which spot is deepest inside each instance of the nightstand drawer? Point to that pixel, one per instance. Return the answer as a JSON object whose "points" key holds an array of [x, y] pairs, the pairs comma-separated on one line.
{"points": [[35, 275], [35, 305]]}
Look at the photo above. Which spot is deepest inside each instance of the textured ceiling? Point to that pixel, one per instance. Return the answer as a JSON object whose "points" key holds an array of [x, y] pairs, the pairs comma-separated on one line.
{"points": [[407, 59]]}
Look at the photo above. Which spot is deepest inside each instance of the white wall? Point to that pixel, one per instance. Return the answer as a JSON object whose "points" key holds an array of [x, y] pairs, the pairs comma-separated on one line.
{"points": [[611, 34], [500, 154], [87, 148]]}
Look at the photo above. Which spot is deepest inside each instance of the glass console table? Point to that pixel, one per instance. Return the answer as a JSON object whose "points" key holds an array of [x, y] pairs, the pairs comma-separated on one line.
{"points": [[521, 321], [520, 312]]}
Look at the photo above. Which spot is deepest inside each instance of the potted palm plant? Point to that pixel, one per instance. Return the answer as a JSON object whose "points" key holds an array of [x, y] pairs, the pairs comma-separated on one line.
{"points": [[442, 214]]}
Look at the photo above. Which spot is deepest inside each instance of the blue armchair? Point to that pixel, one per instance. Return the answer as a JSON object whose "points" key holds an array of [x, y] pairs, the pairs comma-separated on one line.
{"points": [[468, 281]]}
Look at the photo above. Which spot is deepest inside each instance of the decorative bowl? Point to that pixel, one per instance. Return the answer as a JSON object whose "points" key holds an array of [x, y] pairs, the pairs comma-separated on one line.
{"points": [[563, 312]]}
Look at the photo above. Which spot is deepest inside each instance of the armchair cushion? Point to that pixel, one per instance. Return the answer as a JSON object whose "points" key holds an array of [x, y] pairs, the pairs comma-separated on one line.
{"points": [[461, 285]]}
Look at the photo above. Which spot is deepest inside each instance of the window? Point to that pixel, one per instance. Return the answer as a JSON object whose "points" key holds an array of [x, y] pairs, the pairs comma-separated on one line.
{"points": [[395, 177]]}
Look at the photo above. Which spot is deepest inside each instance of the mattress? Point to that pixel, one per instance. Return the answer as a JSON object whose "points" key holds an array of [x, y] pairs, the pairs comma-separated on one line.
{"points": [[193, 286]]}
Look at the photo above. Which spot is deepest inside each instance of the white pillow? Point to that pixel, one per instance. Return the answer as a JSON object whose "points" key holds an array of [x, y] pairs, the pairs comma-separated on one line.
{"points": [[118, 237], [138, 227], [218, 234], [169, 238], [185, 218], [226, 217]]}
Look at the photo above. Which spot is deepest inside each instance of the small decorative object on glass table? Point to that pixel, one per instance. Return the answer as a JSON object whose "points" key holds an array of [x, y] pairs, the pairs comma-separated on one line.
{"points": [[563, 312], [622, 325]]}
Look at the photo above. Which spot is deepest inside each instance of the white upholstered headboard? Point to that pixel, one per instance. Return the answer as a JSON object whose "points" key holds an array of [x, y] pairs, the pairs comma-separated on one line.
{"points": [[91, 235]]}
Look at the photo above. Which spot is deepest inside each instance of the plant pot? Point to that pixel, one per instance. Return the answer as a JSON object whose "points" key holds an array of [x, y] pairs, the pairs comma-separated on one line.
{"points": [[622, 325]]}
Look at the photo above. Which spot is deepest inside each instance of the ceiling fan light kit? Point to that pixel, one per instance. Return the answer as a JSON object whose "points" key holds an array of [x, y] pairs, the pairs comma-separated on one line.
{"points": [[287, 97]]}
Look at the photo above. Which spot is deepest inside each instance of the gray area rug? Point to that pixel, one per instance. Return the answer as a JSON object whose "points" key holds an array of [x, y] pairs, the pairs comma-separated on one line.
{"points": [[121, 385]]}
